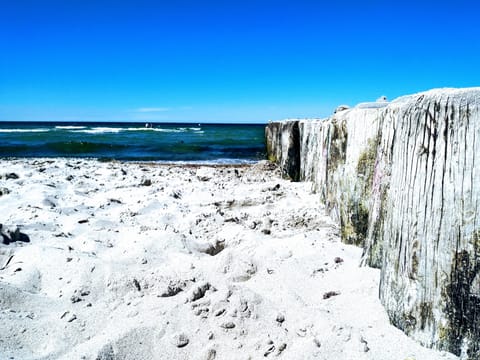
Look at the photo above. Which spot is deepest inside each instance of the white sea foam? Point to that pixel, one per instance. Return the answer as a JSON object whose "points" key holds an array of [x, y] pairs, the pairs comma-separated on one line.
{"points": [[101, 130], [139, 129], [22, 130], [154, 129], [168, 130], [69, 127]]}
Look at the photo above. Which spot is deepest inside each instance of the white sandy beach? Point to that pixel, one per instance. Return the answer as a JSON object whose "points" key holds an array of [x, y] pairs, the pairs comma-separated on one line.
{"points": [[143, 261]]}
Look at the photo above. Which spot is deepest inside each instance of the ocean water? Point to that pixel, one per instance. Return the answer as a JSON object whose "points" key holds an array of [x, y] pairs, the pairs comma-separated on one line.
{"points": [[191, 143]]}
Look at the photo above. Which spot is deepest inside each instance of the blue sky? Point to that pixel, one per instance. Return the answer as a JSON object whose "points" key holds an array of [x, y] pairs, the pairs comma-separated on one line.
{"points": [[225, 61]]}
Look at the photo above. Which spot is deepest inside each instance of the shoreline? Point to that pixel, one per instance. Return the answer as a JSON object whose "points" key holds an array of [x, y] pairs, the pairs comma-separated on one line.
{"points": [[127, 261], [193, 163]]}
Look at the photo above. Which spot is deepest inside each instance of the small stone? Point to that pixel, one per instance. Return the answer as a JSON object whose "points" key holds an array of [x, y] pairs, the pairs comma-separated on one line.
{"points": [[317, 342], [146, 182], [338, 260], [13, 236], [280, 318], [329, 294], [219, 312], [176, 194], [180, 340], [11, 176], [276, 187], [210, 354], [228, 325], [269, 350], [75, 299], [137, 285]]}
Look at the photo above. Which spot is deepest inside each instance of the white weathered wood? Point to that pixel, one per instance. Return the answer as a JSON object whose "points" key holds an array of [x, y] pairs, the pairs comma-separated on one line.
{"points": [[411, 167], [283, 147], [428, 198], [332, 151]]}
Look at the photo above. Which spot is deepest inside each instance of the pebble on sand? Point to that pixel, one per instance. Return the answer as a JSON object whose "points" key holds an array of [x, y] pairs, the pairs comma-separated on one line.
{"points": [[180, 340]]}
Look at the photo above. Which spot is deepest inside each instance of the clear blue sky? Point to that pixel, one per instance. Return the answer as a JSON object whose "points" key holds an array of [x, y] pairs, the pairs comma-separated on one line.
{"points": [[226, 61]]}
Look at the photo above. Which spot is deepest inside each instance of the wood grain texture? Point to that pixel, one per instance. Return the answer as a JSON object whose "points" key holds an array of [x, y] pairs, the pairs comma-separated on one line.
{"points": [[404, 183]]}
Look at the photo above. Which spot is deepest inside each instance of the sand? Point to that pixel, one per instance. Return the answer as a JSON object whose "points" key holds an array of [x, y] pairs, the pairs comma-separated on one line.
{"points": [[143, 261]]}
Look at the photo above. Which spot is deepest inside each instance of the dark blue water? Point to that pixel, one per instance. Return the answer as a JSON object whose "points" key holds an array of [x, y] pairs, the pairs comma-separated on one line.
{"points": [[212, 143]]}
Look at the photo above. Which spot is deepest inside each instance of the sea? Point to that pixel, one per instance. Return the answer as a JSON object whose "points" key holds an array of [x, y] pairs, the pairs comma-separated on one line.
{"points": [[156, 142]]}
